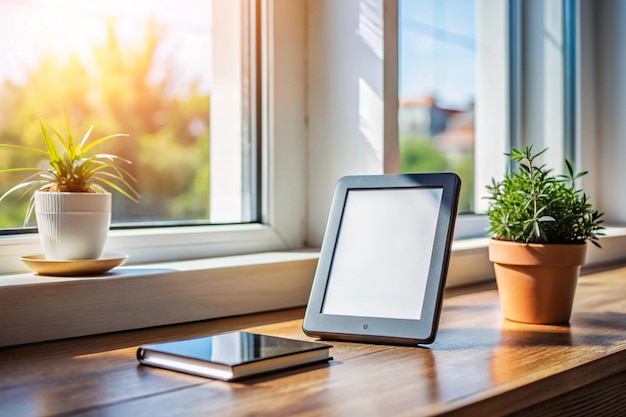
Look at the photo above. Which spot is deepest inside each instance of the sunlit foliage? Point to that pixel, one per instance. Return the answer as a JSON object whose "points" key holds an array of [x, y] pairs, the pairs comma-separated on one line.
{"points": [[168, 133]]}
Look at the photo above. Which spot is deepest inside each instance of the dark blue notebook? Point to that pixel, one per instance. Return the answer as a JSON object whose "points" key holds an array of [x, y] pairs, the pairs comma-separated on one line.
{"points": [[232, 356]]}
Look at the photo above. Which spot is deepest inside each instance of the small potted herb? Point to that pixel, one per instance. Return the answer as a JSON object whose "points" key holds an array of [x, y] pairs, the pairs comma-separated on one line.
{"points": [[540, 225], [69, 194]]}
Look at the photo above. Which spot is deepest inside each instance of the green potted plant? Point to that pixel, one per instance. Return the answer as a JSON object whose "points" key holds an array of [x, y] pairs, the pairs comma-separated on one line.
{"points": [[540, 225], [69, 194]]}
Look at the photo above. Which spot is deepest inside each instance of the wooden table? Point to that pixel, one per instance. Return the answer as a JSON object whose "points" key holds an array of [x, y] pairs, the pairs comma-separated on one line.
{"points": [[480, 365]]}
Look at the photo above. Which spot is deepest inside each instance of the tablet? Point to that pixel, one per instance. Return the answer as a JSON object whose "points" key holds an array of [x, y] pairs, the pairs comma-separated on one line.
{"points": [[384, 259]]}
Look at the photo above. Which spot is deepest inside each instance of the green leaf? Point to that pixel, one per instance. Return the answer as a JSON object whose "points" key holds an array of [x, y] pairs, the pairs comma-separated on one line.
{"points": [[104, 139], [537, 154], [71, 168], [531, 198], [570, 170], [546, 219], [25, 148]]}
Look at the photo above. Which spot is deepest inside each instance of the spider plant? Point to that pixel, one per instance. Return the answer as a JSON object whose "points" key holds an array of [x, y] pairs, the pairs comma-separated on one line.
{"points": [[72, 167]]}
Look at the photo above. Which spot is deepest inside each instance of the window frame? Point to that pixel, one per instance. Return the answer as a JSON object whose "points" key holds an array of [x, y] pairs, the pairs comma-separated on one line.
{"points": [[278, 227], [299, 67], [279, 232]]}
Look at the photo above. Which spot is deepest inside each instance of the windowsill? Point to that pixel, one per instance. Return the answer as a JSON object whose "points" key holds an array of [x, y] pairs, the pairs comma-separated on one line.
{"points": [[160, 244], [37, 308]]}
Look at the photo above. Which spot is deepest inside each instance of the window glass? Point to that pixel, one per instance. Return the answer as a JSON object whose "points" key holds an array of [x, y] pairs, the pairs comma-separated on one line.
{"points": [[144, 68], [437, 59]]}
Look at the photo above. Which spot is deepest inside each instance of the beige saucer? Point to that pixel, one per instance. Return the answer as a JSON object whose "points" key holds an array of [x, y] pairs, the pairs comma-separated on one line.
{"points": [[87, 267]]}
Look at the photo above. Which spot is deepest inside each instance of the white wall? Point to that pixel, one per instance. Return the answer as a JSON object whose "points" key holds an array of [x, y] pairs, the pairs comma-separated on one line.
{"points": [[543, 82], [226, 113], [492, 95], [520, 85], [610, 116], [587, 130], [285, 198], [346, 95]]}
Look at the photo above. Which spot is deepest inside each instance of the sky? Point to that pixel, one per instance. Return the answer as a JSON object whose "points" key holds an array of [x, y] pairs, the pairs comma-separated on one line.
{"points": [[30, 27], [437, 39], [437, 50]]}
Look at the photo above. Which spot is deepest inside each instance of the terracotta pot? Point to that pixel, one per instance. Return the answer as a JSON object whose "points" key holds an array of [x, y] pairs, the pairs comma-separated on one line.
{"points": [[536, 282]]}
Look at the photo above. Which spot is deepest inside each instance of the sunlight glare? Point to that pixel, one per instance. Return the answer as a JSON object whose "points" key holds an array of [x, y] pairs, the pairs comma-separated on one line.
{"points": [[66, 28]]}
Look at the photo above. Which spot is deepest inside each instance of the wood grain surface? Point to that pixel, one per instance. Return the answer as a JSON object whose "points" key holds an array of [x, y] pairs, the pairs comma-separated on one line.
{"points": [[480, 364]]}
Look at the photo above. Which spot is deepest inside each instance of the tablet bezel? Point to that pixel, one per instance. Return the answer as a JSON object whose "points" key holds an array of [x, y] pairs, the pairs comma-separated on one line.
{"points": [[377, 329]]}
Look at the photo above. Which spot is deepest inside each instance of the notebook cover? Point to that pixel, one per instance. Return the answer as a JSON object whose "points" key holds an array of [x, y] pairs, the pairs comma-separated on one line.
{"points": [[234, 349]]}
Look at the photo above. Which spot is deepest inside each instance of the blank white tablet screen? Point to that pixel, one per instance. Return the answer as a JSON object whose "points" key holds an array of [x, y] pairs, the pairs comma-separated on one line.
{"points": [[382, 256]]}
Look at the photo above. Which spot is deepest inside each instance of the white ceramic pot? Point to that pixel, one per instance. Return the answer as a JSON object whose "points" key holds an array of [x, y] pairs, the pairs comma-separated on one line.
{"points": [[72, 226]]}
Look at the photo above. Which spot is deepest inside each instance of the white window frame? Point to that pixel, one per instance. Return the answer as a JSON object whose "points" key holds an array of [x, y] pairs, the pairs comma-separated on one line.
{"points": [[521, 94], [311, 138], [178, 274], [284, 145]]}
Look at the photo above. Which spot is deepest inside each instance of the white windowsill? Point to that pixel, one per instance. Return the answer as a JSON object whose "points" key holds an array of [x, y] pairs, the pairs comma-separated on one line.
{"points": [[165, 244], [37, 308]]}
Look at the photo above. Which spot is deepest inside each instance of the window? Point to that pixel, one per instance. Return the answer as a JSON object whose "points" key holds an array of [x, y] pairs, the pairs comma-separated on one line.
{"points": [[201, 288], [479, 77], [437, 89], [326, 112], [311, 138], [232, 201], [179, 77]]}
